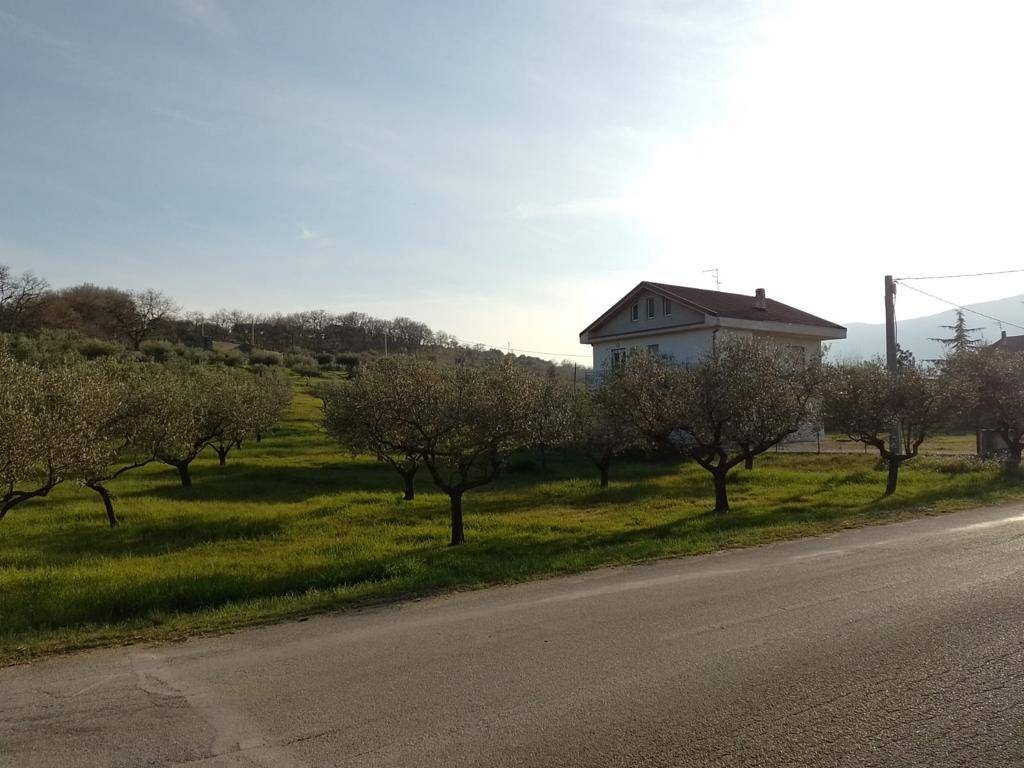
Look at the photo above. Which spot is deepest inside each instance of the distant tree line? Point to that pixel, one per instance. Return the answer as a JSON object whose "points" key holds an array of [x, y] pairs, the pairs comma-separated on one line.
{"points": [[149, 320]]}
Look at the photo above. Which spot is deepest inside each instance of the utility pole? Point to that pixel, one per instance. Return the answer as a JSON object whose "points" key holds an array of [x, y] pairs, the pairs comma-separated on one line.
{"points": [[385, 342], [891, 356]]}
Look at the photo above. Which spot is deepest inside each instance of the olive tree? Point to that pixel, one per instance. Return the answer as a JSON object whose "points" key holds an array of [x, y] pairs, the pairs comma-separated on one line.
{"points": [[249, 404], [552, 415], [228, 407], [25, 471], [199, 403], [56, 426], [474, 417], [600, 425], [740, 399], [986, 388], [869, 404], [131, 431], [379, 412], [273, 396]]}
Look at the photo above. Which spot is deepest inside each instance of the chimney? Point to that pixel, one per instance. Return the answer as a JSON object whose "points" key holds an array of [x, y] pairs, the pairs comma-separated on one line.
{"points": [[759, 299], [1004, 334]]}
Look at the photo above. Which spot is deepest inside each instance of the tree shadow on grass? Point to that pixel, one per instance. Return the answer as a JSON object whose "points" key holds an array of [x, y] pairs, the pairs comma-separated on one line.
{"points": [[241, 482], [139, 537]]}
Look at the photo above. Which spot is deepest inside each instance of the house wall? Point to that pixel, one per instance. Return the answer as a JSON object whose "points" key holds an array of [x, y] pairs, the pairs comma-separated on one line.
{"points": [[621, 322], [689, 346], [678, 346], [811, 346]]}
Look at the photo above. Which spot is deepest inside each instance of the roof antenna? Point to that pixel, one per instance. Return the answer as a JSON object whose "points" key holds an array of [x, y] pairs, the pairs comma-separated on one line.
{"points": [[714, 272]]}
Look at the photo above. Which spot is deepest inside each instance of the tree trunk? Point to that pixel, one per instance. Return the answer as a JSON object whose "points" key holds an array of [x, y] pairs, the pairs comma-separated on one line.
{"points": [[542, 452], [458, 533], [16, 498], [603, 468], [108, 503], [748, 462], [410, 486], [183, 473], [894, 473], [1012, 462], [721, 495], [222, 455]]}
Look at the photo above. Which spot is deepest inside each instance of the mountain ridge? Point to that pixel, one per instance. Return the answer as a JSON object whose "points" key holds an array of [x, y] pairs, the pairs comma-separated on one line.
{"points": [[866, 340]]}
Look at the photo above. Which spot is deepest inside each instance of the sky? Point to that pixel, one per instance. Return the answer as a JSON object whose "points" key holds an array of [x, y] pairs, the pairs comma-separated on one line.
{"points": [[505, 171]]}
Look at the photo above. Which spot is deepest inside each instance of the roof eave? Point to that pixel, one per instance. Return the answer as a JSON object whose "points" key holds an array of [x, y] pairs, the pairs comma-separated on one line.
{"points": [[824, 332], [643, 284]]}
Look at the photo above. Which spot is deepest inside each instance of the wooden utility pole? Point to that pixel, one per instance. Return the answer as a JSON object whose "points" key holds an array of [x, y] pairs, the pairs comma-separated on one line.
{"points": [[891, 353]]}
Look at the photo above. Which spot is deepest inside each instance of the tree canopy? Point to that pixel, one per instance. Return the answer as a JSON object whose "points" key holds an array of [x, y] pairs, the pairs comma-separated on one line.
{"points": [[740, 399]]}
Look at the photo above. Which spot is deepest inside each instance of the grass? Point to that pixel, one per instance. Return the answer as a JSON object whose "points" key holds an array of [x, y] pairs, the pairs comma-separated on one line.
{"points": [[292, 526], [960, 443]]}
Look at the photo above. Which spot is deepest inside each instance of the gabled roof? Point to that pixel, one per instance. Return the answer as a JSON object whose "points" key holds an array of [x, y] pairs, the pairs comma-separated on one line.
{"points": [[721, 304]]}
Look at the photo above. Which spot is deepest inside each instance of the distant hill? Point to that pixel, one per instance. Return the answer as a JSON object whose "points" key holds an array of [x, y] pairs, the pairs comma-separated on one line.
{"points": [[866, 340]]}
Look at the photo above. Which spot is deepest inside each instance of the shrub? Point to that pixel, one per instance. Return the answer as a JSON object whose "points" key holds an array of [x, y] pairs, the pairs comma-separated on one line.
{"points": [[48, 347], [228, 357], [265, 357], [91, 349], [197, 356], [158, 351], [304, 365]]}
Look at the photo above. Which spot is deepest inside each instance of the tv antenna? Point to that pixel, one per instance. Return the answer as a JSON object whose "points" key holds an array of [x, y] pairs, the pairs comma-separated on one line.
{"points": [[714, 276]]}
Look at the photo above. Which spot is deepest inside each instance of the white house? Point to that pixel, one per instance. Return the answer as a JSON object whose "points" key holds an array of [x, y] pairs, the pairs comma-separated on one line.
{"points": [[683, 323]]}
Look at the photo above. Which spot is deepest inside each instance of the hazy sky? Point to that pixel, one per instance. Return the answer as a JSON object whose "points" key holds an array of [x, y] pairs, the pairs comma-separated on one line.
{"points": [[506, 170]]}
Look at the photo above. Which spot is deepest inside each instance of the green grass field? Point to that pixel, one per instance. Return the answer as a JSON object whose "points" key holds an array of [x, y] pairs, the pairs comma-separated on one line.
{"points": [[293, 526], [935, 444]]}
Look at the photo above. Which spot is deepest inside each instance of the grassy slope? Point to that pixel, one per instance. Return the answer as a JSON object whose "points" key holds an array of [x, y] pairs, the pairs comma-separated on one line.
{"points": [[292, 526]]}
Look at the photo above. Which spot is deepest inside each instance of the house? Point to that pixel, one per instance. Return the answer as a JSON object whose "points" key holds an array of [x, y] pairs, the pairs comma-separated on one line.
{"points": [[989, 442], [1009, 343], [682, 324]]}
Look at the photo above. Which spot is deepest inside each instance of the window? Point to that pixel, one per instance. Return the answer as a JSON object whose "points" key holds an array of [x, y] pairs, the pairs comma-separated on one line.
{"points": [[634, 313], [650, 308], [652, 349], [797, 355], [666, 307], [618, 356]]}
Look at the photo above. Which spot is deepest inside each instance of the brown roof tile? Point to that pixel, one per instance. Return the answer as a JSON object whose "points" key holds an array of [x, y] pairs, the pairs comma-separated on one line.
{"points": [[1010, 343], [741, 306]]}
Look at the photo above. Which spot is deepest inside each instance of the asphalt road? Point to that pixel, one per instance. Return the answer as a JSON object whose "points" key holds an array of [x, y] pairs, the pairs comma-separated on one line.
{"points": [[900, 645]]}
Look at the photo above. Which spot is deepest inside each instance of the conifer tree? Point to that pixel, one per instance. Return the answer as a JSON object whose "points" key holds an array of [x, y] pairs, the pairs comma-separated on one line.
{"points": [[961, 340]]}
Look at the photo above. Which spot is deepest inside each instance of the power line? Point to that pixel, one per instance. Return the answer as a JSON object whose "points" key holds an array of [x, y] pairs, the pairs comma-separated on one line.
{"points": [[960, 307], [969, 274], [553, 354], [525, 351]]}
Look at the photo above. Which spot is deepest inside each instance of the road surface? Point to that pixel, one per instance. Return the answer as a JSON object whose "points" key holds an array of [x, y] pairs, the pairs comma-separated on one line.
{"points": [[896, 645]]}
